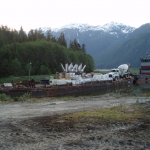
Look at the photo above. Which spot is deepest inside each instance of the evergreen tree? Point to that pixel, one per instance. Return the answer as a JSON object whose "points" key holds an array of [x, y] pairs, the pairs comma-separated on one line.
{"points": [[62, 40], [22, 35], [16, 67], [40, 34], [36, 35], [5, 68], [45, 56], [14, 36], [83, 48], [75, 43], [53, 39], [78, 46], [71, 45], [48, 34], [44, 70], [31, 35]]}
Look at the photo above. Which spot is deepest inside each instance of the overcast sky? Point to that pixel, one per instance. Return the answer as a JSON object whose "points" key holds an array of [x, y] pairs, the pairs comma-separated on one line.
{"points": [[31, 14]]}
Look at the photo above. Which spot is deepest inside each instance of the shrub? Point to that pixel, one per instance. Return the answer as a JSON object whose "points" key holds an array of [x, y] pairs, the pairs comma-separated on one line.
{"points": [[25, 96], [16, 98], [4, 97]]}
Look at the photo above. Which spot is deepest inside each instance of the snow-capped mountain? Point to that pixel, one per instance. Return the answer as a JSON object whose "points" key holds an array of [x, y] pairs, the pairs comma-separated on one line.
{"points": [[96, 38], [112, 28], [109, 44]]}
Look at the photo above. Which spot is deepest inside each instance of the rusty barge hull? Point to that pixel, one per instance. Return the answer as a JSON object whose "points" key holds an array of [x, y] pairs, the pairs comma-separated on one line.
{"points": [[65, 90]]}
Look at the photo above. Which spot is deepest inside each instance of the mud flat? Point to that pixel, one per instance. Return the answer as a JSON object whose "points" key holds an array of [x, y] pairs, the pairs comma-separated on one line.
{"points": [[42, 125]]}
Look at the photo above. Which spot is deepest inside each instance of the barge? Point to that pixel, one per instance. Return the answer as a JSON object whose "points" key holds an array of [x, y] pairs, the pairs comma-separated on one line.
{"points": [[72, 81], [54, 91]]}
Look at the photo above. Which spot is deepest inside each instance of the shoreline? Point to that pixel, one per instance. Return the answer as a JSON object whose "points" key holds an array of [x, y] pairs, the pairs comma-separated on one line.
{"points": [[25, 125]]}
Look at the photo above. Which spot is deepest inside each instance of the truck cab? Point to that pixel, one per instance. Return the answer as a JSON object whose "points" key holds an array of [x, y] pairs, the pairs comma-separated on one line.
{"points": [[114, 73]]}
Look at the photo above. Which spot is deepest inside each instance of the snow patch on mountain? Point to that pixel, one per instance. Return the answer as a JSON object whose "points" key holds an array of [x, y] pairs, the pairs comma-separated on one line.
{"points": [[112, 28]]}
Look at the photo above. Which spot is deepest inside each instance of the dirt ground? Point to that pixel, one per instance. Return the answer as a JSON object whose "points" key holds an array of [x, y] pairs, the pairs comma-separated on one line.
{"points": [[31, 126]]}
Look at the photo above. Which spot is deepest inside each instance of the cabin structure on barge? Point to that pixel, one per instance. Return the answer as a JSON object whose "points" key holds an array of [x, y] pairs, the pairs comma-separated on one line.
{"points": [[145, 65]]}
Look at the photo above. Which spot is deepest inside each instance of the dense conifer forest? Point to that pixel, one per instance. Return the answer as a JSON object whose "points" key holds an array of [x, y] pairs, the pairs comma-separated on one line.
{"points": [[42, 52]]}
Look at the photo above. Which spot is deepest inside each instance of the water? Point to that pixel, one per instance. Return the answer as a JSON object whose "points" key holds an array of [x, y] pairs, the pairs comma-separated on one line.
{"points": [[135, 89], [141, 88]]}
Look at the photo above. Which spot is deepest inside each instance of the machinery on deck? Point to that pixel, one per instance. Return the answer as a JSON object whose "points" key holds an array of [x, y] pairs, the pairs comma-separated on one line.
{"points": [[121, 72], [74, 75]]}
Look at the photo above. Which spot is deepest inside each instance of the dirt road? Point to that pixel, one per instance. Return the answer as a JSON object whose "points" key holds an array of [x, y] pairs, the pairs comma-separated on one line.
{"points": [[24, 125]]}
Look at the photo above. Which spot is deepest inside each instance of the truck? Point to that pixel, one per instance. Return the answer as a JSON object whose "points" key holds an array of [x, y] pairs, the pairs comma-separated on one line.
{"points": [[121, 72]]}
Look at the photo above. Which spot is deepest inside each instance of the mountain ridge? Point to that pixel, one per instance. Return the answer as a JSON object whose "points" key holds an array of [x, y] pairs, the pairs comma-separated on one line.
{"points": [[106, 27], [106, 42]]}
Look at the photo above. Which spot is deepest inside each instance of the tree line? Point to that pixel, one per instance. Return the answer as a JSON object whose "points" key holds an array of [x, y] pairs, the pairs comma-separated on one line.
{"points": [[8, 36], [42, 52]]}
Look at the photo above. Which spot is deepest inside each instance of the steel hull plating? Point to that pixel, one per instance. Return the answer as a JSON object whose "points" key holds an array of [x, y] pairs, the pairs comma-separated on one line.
{"points": [[66, 90]]}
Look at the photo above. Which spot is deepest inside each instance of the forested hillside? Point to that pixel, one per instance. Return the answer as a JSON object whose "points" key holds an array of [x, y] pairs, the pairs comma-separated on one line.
{"points": [[19, 51]]}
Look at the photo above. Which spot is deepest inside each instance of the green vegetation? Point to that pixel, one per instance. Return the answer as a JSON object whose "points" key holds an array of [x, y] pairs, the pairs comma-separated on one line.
{"points": [[45, 57], [25, 97], [137, 101], [19, 79], [112, 115], [134, 70], [4, 97], [88, 119], [38, 54], [146, 94], [28, 98], [16, 98]]}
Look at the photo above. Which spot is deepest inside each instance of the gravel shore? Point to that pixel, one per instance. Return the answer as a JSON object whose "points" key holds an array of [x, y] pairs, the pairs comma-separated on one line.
{"points": [[24, 126]]}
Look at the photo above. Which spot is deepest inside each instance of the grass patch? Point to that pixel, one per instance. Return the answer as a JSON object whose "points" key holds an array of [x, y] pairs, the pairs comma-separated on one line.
{"points": [[66, 98], [23, 78], [112, 115], [134, 70], [25, 97], [89, 119], [118, 95], [147, 95]]}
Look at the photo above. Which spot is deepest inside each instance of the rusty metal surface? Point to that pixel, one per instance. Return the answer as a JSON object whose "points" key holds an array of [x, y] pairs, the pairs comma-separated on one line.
{"points": [[65, 90]]}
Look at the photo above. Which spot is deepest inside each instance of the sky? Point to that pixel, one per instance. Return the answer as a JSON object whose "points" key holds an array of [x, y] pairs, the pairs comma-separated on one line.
{"points": [[31, 14]]}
